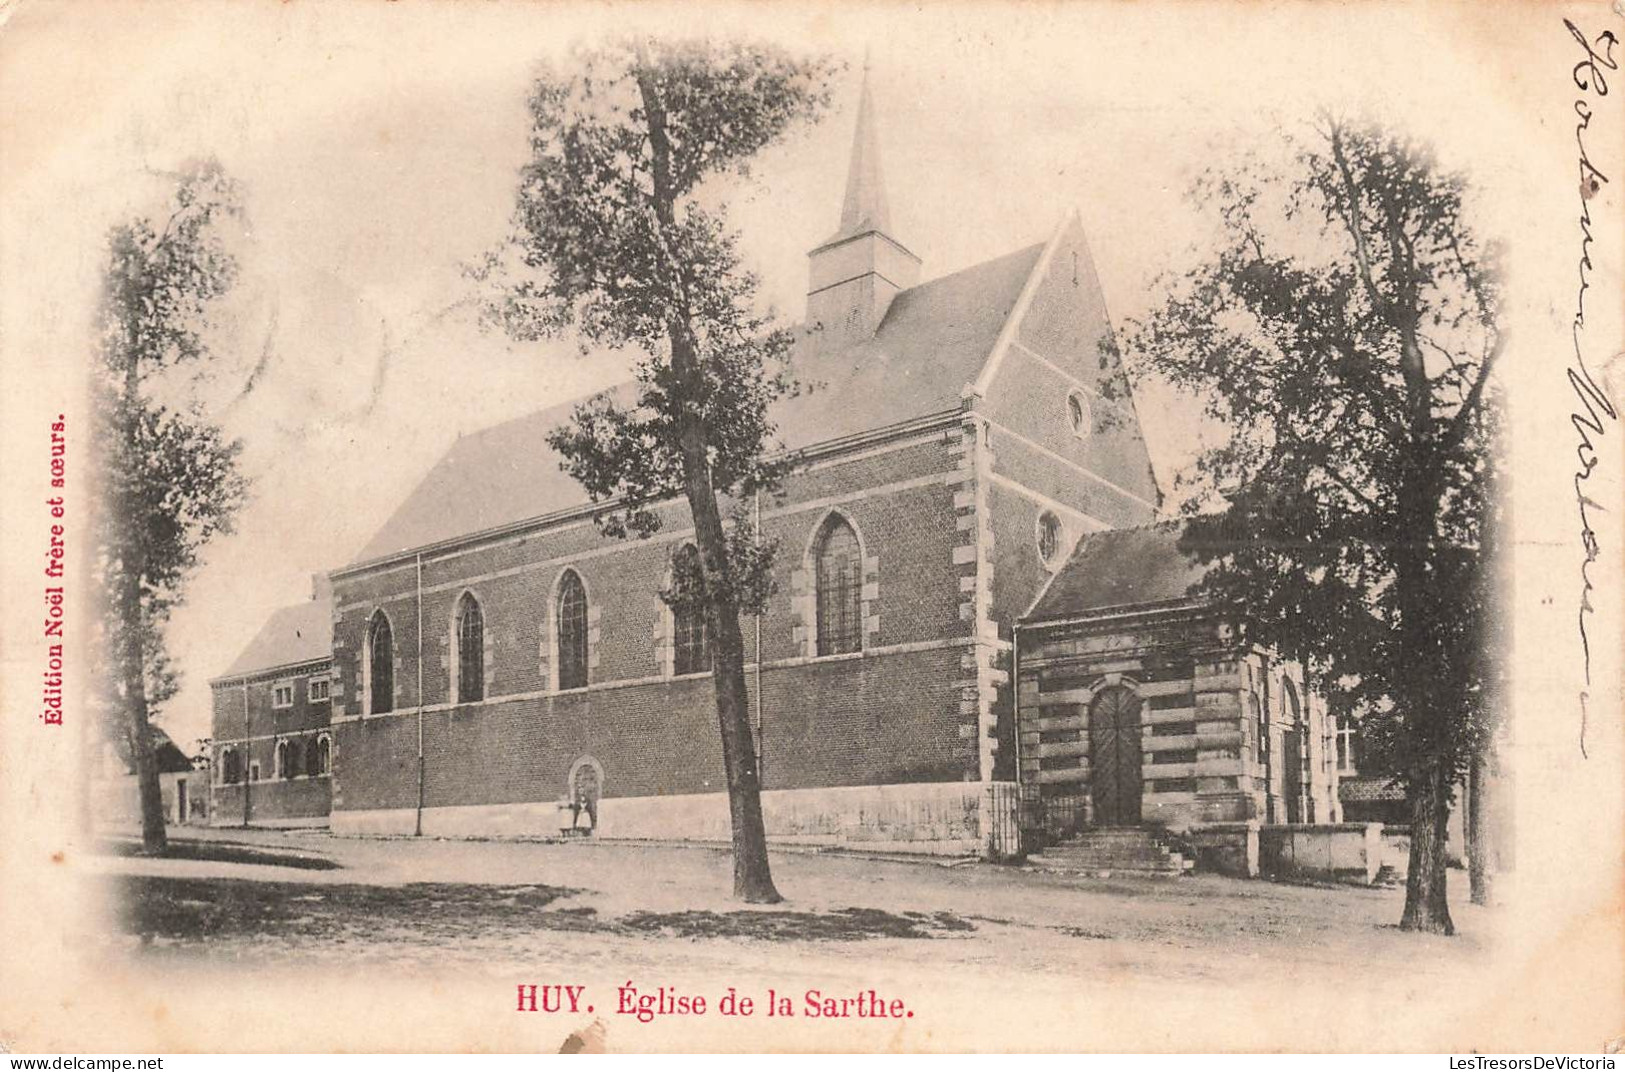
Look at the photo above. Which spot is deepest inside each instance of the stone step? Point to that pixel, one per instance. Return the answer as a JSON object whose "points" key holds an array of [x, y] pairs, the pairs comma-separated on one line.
{"points": [[1109, 859], [1174, 866]]}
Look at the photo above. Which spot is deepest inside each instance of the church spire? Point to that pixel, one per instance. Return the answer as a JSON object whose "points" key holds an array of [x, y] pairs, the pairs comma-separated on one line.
{"points": [[865, 206], [854, 275]]}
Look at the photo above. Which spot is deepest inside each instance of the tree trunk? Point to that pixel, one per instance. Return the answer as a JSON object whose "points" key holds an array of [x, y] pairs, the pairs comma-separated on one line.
{"points": [[154, 838], [1478, 869], [753, 876], [1426, 905]]}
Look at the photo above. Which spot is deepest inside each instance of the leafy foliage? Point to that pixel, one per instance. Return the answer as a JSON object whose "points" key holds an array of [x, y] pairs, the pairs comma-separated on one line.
{"points": [[592, 255], [169, 480], [1346, 329]]}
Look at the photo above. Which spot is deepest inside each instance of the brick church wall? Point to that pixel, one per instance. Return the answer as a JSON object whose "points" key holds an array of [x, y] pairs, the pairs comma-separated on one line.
{"points": [[890, 715]]}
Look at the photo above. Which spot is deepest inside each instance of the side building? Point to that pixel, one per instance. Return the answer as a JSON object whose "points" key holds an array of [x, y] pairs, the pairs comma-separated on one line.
{"points": [[1140, 703], [273, 748]]}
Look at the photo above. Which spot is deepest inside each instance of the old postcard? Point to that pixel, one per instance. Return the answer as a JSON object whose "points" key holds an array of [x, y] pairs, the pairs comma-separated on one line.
{"points": [[556, 527]]}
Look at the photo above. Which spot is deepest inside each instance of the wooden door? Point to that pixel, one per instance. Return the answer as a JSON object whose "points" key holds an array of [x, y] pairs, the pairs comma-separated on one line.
{"points": [[1292, 774], [1114, 757]]}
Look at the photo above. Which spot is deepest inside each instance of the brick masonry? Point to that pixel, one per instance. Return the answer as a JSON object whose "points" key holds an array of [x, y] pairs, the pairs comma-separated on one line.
{"points": [[249, 724]]}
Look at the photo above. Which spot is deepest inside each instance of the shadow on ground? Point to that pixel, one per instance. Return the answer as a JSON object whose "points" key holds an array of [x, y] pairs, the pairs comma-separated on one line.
{"points": [[220, 852], [181, 910]]}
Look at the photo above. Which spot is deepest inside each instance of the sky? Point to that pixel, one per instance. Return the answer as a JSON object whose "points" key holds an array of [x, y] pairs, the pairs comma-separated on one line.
{"points": [[377, 148]]}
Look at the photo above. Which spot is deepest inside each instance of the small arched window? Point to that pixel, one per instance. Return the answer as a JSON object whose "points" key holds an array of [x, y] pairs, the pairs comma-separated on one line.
{"points": [[571, 615], [231, 766], [839, 580], [470, 630], [318, 756], [1078, 415], [1049, 539], [691, 626], [380, 666]]}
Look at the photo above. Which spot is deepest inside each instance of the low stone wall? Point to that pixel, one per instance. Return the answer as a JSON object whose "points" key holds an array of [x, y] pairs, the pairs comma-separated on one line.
{"points": [[935, 818], [1344, 852], [1225, 848]]}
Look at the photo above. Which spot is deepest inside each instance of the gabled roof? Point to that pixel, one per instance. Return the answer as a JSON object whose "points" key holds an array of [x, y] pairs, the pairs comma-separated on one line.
{"points": [[167, 754], [933, 341], [1120, 569], [296, 634]]}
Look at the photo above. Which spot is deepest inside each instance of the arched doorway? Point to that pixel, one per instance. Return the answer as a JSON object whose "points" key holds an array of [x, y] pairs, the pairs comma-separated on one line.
{"points": [[1114, 757], [586, 784]]}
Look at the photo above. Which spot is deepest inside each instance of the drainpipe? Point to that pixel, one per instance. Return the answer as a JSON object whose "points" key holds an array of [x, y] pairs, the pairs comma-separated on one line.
{"points": [[248, 751], [760, 774], [1269, 744], [417, 826], [1015, 713], [1015, 693]]}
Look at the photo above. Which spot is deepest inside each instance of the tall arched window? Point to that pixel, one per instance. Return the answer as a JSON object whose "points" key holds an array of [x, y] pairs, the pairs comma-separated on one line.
{"points": [[380, 666], [470, 650], [839, 579], [571, 615], [691, 627], [284, 768], [231, 766]]}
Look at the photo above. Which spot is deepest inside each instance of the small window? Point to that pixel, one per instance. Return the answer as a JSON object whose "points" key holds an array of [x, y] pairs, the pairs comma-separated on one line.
{"points": [[318, 756], [254, 771], [282, 695], [1348, 735], [289, 759], [318, 690], [1078, 415], [1049, 539]]}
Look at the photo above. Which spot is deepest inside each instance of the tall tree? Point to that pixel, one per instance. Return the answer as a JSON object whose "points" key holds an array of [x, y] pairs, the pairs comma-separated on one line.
{"points": [[621, 239], [169, 479], [1345, 329]]}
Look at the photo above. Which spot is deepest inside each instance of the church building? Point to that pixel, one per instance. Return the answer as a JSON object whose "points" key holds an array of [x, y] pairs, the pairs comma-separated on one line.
{"points": [[974, 479]]}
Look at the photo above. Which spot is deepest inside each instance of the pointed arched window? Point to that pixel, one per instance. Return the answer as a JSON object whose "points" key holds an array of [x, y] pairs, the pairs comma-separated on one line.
{"points": [[380, 666], [691, 626], [839, 579], [231, 766], [571, 615], [470, 650]]}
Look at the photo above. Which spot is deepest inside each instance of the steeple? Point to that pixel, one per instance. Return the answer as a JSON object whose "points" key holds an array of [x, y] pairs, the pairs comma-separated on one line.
{"points": [[865, 205], [855, 274]]}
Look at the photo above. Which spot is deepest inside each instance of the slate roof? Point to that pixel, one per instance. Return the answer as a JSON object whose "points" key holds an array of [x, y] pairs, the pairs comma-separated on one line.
{"points": [[932, 342], [1120, 568], [291, 635]]}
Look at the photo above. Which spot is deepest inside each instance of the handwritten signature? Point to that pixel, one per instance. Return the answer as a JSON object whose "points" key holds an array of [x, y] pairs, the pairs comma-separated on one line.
{"points": [[1592, 408]]}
